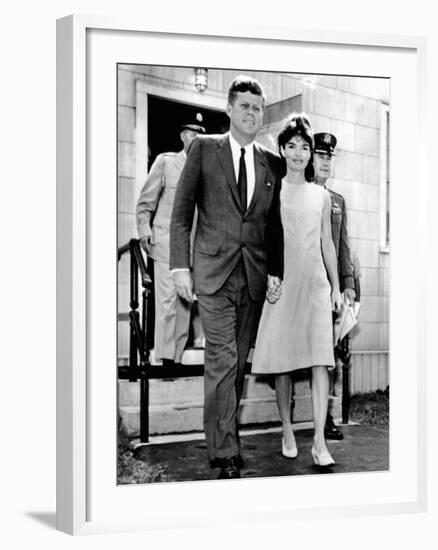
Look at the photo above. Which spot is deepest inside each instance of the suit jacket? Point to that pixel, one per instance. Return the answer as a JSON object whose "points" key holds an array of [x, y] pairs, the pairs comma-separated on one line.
{"points": [[156, 200], [225, 233], [340, 240]]}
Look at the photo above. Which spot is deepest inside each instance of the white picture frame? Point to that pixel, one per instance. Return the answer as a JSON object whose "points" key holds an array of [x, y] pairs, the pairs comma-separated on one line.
{"points": [[80, 220]]}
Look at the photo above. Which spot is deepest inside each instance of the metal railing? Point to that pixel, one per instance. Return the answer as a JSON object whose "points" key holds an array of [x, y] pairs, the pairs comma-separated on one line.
{"points": [[138, 347]]}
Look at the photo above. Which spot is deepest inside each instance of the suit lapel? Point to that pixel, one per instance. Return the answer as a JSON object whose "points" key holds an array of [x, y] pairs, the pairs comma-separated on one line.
{"points": [[226, 161], [260, 170]]}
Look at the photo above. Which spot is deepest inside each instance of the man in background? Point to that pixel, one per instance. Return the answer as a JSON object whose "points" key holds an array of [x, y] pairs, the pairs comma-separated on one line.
{"points": [[154, 210], [325, 144]]}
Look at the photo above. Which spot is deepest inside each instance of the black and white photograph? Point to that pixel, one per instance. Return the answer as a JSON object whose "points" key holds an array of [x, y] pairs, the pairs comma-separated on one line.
{"points": [[220, 261], [253, 258]]}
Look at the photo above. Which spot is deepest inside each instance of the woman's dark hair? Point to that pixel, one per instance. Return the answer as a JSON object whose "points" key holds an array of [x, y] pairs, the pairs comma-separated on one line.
{"points": [[297, 125]]}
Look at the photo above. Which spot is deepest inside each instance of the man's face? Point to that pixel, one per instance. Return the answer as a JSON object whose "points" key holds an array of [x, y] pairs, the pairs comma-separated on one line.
{"points": [[187, 136], [246, 115], [323, 164]]}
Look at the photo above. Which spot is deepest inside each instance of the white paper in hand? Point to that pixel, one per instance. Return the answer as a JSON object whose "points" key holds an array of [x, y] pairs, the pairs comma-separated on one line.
{"points": [[345, 321]]}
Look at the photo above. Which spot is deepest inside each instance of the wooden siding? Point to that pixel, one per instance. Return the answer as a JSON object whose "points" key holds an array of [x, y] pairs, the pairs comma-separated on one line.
{"points": [[369, 372]]}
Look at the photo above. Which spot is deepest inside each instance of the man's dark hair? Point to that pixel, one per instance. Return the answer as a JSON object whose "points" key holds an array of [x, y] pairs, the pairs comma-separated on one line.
{"points": [[244, 84], [297, 125]]}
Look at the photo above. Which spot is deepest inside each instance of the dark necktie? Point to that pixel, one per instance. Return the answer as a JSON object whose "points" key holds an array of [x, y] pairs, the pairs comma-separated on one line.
{"points": [[241, 182]]}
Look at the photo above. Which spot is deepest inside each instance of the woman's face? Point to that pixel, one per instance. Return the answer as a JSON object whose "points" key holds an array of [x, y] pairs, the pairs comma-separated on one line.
{"points": [[297, 154]]}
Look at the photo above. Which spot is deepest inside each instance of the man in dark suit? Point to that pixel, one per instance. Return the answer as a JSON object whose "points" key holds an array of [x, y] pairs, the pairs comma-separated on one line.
{"points": [[325, 144], [235, 183]]}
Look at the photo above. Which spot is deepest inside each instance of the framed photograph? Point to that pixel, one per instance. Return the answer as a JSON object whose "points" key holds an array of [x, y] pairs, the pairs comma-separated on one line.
{"points": [[130, 447]]}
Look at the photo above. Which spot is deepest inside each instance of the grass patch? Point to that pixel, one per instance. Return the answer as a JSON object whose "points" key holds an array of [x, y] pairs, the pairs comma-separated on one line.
{"points": [[370, 408], [129, 469]]}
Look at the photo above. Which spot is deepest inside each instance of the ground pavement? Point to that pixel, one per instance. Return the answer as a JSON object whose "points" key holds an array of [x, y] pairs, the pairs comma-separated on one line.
{"points": [[364, 449]]}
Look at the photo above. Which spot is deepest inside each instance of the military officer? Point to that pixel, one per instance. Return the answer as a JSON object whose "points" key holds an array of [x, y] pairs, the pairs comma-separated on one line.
{"points": [[172, 313], [325, 144]]}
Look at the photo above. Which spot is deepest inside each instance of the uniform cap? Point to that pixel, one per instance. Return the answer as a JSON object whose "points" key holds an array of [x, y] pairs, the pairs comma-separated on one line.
{"points": [[194, 125], [325, 143]]}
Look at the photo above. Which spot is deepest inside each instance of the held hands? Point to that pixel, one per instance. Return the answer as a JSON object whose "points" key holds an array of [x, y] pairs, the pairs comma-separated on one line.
{"points": [[273, 292], [336, 300], [184, 285]]}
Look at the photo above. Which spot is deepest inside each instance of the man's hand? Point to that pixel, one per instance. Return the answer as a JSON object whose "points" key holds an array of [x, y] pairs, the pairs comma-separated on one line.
{"points": [[145, 241], [349, 296], [184, 285], [274, 289]]}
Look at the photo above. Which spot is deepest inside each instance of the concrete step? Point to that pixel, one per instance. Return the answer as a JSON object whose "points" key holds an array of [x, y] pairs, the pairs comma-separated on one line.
{"points": [[190, 389], [176, 405], [191, 356], [181, 390]]}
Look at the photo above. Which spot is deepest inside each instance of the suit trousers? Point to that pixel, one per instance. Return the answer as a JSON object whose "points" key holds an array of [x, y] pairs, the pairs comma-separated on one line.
{"points": [[172, 316], [230, 319]]}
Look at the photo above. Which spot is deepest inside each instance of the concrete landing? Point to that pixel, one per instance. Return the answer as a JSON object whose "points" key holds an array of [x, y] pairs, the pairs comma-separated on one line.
{"points": [[363, 449]]}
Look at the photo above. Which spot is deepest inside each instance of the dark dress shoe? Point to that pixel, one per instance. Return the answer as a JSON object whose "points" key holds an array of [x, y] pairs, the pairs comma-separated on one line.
{"points": [[220, 462], [230, 469], [331, 431]]}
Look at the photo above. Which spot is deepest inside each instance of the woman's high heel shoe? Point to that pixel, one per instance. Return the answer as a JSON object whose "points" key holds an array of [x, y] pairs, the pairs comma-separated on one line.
{"points": [[322, 459], [289, 453]]}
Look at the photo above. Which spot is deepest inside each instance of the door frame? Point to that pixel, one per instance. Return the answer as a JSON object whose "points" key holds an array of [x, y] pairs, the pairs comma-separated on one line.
{"points": [[142, 91]]}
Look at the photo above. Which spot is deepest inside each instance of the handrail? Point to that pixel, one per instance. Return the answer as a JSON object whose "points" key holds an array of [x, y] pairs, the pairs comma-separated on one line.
{"points": [[123, 249], [133, 246], [138, 348], [145, 279]]}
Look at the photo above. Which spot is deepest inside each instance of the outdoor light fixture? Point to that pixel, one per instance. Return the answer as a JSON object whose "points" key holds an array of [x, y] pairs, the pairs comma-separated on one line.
{"points": [[201, 79]]}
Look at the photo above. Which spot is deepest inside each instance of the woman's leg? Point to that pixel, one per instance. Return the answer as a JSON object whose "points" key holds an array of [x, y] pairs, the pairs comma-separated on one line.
{"points": [[283, 387], [320, 387]]}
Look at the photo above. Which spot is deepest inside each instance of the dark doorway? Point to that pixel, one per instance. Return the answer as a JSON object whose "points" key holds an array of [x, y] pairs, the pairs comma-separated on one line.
{"points": [[166, 117]]}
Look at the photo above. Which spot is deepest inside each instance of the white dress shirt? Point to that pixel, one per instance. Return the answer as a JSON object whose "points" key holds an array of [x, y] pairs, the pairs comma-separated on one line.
{"points": [[249, 162]]}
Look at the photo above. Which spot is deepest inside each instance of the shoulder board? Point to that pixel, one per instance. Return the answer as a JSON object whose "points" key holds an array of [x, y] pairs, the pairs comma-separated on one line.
{"points": [[337, 195]]}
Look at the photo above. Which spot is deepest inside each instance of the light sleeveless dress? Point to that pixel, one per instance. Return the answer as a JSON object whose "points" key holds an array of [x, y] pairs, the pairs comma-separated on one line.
{"points": [[296, 332]]}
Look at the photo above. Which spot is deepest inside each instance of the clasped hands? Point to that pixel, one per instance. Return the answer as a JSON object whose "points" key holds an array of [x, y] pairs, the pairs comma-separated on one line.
{"points": [[273, 291]]}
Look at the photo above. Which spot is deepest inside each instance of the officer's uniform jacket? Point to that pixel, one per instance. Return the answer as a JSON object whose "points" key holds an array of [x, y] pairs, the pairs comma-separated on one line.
{"points": [[155, 204], [340, 240], [157, 197]]}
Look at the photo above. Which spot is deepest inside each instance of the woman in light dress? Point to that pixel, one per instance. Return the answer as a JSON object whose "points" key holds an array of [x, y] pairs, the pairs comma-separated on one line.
{"points": [[295, 330]]}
